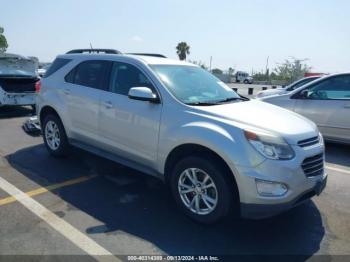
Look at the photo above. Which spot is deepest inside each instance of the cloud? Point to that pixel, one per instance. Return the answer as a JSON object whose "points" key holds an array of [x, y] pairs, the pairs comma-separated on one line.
{"points": [[137, 38]]}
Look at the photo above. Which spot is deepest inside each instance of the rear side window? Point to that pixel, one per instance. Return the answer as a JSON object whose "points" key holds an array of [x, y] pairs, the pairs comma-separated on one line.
{"points": [[93, 73], [57, 64]]}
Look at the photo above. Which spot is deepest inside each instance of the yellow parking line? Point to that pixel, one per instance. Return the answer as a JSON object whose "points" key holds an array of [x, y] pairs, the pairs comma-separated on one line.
{"points": [[41, 190]]}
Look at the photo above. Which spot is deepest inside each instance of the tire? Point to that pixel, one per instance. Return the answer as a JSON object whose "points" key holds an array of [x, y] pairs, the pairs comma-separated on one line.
{"points": [[246, 81], [60, 148], [222, 190]]}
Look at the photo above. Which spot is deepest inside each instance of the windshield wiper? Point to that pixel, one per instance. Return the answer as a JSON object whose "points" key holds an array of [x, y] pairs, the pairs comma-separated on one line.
{"points": [[218, 102], [232, 99], [206, 103]]}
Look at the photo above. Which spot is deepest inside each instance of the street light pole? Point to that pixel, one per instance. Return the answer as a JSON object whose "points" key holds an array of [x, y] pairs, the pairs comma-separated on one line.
{"points": [[211, 58]]}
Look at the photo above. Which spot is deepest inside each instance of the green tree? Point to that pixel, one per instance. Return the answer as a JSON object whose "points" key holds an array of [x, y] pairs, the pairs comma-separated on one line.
{"points": [[217, 71], [231, 71], [199, 63], [182, 50], [292, 70], [3, 41]]}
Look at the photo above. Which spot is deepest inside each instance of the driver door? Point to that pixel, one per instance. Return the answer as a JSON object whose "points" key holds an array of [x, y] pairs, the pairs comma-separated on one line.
{"points": [[327, 103], [127, 127]]}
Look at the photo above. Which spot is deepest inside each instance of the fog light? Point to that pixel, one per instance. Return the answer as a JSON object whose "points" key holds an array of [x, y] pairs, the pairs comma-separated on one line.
{"points": [[268, 188]]}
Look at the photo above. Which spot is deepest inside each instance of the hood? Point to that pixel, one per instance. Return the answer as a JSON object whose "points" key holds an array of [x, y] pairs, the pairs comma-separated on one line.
{"points": [[259, 115], [271, 92], [16, 65]]}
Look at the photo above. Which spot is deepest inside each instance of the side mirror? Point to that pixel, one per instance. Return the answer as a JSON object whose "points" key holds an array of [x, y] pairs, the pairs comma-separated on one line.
{"points": [[303, 94], [143, 94]]}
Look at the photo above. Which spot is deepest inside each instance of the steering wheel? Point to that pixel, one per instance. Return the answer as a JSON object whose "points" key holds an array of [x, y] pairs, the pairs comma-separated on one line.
{"points": [[320, 94]]}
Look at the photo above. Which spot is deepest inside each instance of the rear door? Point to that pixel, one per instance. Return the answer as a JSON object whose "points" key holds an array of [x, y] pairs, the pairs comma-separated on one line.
{"points": [[83, 91], [129, 127], [327, 103]]}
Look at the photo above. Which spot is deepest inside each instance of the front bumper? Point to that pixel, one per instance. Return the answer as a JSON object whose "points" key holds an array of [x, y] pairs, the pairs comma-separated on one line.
{"points": [[259, 211], [290, 173]]}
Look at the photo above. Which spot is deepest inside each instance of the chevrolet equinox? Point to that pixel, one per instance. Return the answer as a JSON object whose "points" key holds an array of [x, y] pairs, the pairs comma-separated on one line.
{"points": [[217, 151]]}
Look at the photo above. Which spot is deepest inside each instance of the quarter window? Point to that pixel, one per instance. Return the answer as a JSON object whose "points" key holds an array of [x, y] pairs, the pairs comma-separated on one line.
{"points": [[56, 65], [125, 76]]}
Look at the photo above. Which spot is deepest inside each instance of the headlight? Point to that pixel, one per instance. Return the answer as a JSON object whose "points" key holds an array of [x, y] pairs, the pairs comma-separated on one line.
{"points": [[269, 146], [321, 139]]}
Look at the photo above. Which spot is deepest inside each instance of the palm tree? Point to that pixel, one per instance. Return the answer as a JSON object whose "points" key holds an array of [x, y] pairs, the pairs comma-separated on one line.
{"points": [[182, 50]]}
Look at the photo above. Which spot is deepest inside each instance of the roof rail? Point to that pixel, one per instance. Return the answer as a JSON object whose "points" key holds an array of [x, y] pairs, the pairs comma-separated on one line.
{"points": [[148, 54], [91, 50]]}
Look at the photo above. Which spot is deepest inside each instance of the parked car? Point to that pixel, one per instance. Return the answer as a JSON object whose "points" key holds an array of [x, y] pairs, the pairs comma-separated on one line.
{"points": [[243, 77], [173, 120], [18, 80], [43, 68], [288, 88], [325, 101]]}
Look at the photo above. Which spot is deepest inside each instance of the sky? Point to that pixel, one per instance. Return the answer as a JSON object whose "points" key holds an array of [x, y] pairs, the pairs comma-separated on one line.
{"points": [[236, 33]]}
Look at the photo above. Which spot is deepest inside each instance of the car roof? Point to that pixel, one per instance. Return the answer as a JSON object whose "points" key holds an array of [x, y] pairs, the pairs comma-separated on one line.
{"points": [[150, 60], [320, 79]]}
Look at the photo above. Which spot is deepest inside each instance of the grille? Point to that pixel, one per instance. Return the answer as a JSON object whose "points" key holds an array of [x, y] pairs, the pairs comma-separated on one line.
{"points": [[309, 142], [313, 166]]}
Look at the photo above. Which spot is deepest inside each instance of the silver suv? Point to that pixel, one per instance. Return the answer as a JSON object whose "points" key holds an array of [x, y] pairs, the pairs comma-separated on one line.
{"points": [[217, 151]]}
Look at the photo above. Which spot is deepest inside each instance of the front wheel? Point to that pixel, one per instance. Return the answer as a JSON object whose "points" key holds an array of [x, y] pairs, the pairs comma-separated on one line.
{"points": [[201, 189]]}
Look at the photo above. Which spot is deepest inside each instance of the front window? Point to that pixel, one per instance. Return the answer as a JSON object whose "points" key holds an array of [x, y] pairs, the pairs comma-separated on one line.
{"points": [[193, 85], [332, 88]]}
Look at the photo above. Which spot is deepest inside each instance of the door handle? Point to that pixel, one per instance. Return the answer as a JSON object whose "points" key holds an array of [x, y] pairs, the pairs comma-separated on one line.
{"points": [[347, 106], [66, 91], [107, 104]]}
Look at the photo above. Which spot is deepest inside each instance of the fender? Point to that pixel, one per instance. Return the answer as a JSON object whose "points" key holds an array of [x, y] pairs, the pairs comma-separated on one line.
{"points": [[211, 136]]}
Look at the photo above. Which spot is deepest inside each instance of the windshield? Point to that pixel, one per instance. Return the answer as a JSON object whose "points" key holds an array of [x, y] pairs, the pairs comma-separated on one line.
{"points": [[194, 85], [299, 83], [15, 66]]}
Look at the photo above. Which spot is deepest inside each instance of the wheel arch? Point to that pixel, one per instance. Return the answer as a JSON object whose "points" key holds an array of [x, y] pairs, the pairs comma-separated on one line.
{"points": [[46, 110], [190, 149]]}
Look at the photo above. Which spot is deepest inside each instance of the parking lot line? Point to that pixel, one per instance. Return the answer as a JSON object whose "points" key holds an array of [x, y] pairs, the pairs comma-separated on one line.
{"points": [[342, 170], [42, 190], [71, 233]]}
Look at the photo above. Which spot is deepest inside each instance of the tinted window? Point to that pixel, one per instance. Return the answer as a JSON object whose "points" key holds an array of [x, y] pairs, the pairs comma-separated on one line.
{"points": [[90, 73], [57, 64], [70, 76], [125, 76], [332, 88], [300, 83]]}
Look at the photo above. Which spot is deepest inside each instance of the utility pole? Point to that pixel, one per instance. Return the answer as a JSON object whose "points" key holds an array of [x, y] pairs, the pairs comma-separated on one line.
{"points": [[267, 73], [267, 63], [211, 59]]}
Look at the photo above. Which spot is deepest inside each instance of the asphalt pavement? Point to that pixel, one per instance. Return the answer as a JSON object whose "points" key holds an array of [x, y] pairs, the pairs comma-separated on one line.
{"points": [[85, 201]]}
